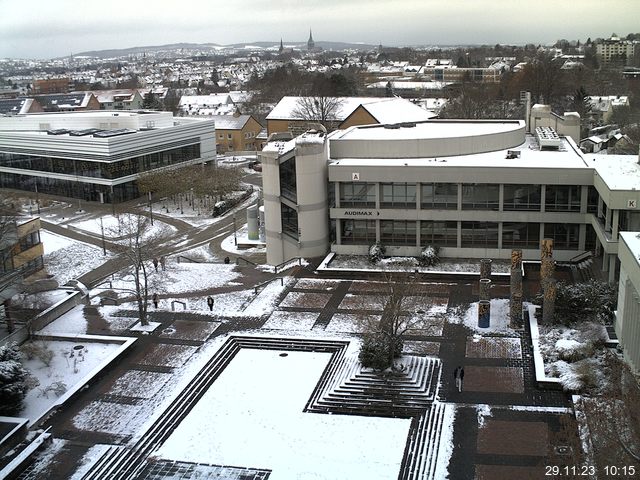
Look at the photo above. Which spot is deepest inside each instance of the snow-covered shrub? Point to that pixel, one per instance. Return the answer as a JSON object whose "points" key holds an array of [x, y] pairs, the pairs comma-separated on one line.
{"points": [[376, 252], [37, 350], [579, 302], [429, 256], [374, 352], [12, 380]]}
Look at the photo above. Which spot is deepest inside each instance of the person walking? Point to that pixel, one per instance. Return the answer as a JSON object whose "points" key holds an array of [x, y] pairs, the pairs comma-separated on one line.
{"points": [[155, 263], [461, 375], [163, 263], [456, 376], [155, 300], [210, 303]]}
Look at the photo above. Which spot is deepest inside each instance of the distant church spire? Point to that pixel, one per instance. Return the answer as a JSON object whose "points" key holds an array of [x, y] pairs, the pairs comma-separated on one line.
{"points": [[310, 43], [281, 49]]}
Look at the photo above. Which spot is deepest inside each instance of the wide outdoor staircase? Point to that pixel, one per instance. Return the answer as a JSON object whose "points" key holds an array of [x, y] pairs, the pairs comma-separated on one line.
{"points": [[352, 389], [421, 453]]}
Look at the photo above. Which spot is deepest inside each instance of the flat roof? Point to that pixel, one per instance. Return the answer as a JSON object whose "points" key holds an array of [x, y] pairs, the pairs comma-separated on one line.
{"points": [[528, 156], [618, 172], [429, 130], [632, 239]]}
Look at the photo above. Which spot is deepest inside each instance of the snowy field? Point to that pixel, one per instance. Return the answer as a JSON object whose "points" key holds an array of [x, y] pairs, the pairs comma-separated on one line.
{"points": [[263, 425]]}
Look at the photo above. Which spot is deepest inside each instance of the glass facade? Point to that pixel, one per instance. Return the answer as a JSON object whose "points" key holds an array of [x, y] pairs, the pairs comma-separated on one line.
{"points": [[521, 197], [479, 234], [520, 235], [289, 221], [442, 234], [592, 200], [442, 196], [398, 232], [565, 235], [398, 195], [358, 195], [106, 170], [562, 198], [480, 196], [288, 187], [358, 232]]}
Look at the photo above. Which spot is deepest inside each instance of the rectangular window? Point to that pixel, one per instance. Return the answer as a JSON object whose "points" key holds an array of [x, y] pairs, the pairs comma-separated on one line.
{"points": [[520, 235], [358, 195], [29, 241], [398, 232], [441, 234], [229, 136], [288, 188], [562, 198], [480, 196], [439, 196], [289, 221], [592, 200], [522, 197], [398, 195], [358, 232], [565, 235], [479, 235]]}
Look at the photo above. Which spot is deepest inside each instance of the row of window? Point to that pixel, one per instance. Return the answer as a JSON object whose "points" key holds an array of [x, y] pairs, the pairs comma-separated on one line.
{"points": [[111, 170], [474, 196], [445, 234]]}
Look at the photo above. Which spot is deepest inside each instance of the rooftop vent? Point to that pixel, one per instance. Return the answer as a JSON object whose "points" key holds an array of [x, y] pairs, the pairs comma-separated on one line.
{"points": [[114, 133], [58, 131], [548, 138], [511, 154]]}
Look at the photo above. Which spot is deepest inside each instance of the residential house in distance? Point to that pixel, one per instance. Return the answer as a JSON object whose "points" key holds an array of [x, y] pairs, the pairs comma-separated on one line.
{"points": [[16, 106], [47, 86], [121, 99], [97, 155], [602, 106], [235, 133], [350, 111], [68, 102], [214, 104], [614, 49]]}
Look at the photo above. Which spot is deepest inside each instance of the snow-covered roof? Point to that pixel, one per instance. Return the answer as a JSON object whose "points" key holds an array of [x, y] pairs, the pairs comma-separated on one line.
{"points": [[618, 172], [632, 239], [388, 110], [230, 122], [206, 101]]}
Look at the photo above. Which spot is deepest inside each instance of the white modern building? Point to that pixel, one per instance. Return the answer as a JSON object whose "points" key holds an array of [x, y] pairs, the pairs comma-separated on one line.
{"points": [[476, 189], [97, 155], [628, 314]]}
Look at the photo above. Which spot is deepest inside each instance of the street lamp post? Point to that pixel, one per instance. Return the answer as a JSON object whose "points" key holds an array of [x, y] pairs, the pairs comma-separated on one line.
{"points": [[150, 209], [235, 237], [104, 248]]}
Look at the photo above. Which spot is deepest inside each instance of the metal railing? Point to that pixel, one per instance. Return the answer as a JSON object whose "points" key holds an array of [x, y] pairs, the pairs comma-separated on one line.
{"points": [[189, 260], [246, 260], [288, 264]]}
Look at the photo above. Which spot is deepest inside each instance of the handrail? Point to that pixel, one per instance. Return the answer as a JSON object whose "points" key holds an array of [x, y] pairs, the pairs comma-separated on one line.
{"points": [[275, 268], [245, 260], [188, 259], [581, 256], [264, 284]]}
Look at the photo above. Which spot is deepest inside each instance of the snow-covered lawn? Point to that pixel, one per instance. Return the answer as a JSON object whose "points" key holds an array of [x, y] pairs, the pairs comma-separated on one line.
{"points": [[263, 424], [65, 368], [68, 259], [291, 320], [120, 225]]}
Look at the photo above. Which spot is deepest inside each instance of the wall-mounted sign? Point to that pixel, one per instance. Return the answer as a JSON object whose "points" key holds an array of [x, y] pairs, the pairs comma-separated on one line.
{"points": [[361, 213], [355, 176], [632, 204]]}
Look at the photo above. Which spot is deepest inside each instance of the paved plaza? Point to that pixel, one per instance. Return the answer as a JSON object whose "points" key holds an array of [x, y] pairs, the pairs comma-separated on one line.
{"points": [[503, 426]]}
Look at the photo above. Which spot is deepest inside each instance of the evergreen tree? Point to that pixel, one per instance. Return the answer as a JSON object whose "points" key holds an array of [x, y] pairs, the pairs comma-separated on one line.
{"points": [[12, 380], [151, 102]]}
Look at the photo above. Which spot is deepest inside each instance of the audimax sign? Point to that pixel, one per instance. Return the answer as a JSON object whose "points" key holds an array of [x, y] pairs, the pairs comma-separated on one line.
{"points": [[361, 213]]}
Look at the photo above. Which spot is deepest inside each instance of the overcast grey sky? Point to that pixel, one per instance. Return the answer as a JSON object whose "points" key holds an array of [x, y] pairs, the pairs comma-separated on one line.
{"points": [[50, 28]]}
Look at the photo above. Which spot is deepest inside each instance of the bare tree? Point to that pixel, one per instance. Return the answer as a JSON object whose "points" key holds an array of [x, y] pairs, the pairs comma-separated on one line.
{"points": [[319, 109], [383, 340], [139, 247]]}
